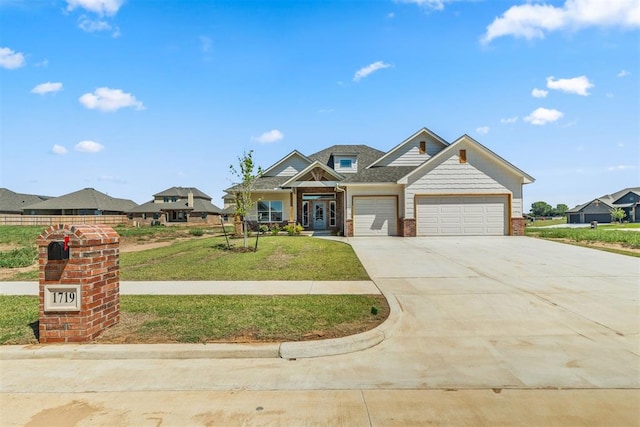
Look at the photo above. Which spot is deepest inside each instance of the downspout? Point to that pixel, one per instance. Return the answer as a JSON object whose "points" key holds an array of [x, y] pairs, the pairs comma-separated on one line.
{"points": [[344, 205]]}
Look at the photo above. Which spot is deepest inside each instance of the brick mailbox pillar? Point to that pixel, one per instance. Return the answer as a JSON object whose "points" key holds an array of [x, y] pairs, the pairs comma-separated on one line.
{"points": [[79, 282]]}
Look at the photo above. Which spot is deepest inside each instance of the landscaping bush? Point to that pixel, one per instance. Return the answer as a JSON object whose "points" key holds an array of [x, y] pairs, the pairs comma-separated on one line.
{"points": [[196, 232]]}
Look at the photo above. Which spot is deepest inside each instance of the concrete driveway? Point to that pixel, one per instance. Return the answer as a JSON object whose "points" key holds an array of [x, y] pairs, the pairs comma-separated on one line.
{"points": [[504, 330]]}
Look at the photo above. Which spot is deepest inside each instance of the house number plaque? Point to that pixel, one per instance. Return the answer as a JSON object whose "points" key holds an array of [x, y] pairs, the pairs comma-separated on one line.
{"points": [[62, 298]]}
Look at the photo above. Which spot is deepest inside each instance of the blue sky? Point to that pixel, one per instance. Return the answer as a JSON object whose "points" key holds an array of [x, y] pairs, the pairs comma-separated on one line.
{"points": [[133, 97]]}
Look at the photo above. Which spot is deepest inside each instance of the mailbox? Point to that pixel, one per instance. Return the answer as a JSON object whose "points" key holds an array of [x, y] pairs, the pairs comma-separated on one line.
{"points": [[58, 251]]}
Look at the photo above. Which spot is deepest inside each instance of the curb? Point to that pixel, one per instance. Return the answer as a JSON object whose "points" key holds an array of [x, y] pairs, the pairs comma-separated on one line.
{"points": [[285, 350]]}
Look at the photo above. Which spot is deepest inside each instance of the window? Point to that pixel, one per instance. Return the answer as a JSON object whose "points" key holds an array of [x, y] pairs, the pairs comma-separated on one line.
{"points": [[165, 199], [346, 163], [270, 211], [423, 147], [305, 213], [463, 156], [332, 213]]}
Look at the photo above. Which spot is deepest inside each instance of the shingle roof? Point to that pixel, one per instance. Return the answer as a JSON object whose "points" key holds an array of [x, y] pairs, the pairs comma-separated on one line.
{"points": [[12, 202], [87, 198], [366, 155], [183, 193], [379, 174], [607, 199], [263, 183]]}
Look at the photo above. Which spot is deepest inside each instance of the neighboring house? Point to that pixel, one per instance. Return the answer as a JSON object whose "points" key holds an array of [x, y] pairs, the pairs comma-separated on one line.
{"points": [[14, 203], [83, 202], [425, 186], [177, 205], [600, 209]]}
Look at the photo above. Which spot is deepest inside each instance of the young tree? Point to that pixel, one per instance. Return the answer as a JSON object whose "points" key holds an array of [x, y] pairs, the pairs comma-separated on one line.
{"points": [[247, 173], [617, 214]]}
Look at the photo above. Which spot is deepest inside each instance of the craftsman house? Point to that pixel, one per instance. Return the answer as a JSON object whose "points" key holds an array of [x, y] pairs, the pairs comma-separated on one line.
{"points": [[599, 209], [177, 205], [424, 186]]}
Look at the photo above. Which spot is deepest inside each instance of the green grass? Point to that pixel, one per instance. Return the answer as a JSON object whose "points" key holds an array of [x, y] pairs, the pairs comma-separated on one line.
{"points": [[21, 257], [585, 236], [547, 222], [211, 318], [277, 258], [196, 257]]}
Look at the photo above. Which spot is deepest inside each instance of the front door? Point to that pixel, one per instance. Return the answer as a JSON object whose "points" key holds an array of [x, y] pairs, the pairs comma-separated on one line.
{"points": [[319, 220]]}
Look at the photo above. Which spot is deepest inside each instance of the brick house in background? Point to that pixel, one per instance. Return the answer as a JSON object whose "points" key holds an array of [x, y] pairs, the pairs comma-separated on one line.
{"points": [[177, 205]]}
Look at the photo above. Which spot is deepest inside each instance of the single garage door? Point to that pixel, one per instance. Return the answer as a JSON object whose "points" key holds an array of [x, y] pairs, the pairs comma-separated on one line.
{"points": [[460, 216], [375, 216]]}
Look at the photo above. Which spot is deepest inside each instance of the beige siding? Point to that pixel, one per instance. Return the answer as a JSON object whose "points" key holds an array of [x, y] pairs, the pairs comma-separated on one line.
{"points": [[409, 153], [480, 175], [283, 197], [290, 167]]}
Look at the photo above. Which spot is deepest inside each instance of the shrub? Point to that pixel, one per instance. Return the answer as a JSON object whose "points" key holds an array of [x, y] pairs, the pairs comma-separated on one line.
{"points": [[275, 230], [264, 229], [292, 229], [196, 232], [22, 257]]}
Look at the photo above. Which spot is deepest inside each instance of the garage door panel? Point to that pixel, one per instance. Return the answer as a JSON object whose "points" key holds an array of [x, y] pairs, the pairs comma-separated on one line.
{"points": [[375, 216], [468, 215]]}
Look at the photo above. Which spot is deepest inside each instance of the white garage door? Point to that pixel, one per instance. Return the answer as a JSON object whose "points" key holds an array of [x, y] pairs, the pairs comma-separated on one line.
{"points": [[471, 216], [375, 216]]}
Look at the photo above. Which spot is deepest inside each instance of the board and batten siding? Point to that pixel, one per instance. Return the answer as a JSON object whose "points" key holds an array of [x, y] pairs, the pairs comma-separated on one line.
{"points": [[290, 167], [409, 154], [479, 175]]}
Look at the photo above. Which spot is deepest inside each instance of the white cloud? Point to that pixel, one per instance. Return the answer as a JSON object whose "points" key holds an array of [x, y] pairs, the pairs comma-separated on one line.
{"points": [[532, 21], [624, 73], [371, 68], [89, 146], [391, 15], [106, 99], [578, 85], [539, 93], [101, 7], [509, 120], [427, 4], [205, 44], [483, 130], [44, 63], [269, 137], [58, 149], [621, 168], [48, 87], [91, 25], [542, 116], [10, 59]]}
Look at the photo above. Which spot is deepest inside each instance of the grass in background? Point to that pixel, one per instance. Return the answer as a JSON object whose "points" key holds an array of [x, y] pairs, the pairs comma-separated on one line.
{"points": [[211, 318]]}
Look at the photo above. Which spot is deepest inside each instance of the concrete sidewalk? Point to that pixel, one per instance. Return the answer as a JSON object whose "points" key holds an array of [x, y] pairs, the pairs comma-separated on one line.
{"points": [[210, 287]]}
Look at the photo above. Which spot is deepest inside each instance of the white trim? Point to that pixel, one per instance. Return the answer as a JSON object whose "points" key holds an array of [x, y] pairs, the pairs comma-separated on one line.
{"points": [[285, 158], [308, 169]]}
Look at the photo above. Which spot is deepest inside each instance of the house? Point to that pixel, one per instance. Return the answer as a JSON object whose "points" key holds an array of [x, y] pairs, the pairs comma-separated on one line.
{"points": [[424, 186], [177, 205], [599, 209], [83, 202], [13, 203]]}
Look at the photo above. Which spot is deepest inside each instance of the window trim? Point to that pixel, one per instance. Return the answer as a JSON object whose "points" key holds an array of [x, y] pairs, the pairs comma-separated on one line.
{"points": [[270, 211], [332, 213]]}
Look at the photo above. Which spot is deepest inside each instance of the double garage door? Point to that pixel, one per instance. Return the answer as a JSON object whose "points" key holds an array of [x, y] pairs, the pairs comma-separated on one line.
{"points": [[459, 216], [375, 216]]}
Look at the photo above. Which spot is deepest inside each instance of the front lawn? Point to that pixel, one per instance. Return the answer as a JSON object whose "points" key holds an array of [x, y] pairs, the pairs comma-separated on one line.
{"points": [[213, 318]]}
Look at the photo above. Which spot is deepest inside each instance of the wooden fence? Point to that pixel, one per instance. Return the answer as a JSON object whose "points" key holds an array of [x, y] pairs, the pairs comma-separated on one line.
{"points": [[62, 219]]}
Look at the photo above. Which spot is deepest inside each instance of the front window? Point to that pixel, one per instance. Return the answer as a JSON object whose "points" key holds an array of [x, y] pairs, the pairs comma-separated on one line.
{"points": [[332, 213], [346, 163], [270, 211], [305, 213]]}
